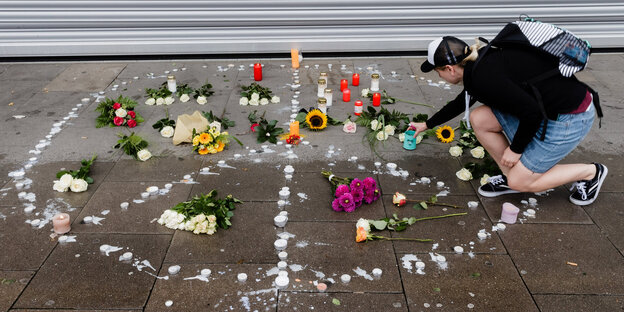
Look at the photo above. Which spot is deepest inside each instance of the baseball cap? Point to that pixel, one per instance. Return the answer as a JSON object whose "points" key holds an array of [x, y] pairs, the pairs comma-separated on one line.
{"points": [[446, 50]]}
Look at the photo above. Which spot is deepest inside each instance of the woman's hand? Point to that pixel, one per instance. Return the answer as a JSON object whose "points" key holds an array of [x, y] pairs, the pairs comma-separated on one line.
{"points": [[418, 127], [510, 158]]}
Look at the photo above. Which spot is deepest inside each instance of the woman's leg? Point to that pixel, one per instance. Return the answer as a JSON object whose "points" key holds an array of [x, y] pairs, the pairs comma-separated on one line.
{"points": [[524, 180], [489, 133]]}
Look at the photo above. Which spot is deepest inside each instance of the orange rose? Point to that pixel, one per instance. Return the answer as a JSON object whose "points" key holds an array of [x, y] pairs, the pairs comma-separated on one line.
{"points": [[361, 235]]}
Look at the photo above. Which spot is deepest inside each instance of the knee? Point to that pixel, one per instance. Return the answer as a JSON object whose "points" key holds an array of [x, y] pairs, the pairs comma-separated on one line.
{"points": [[482, 119], [519, 184]]}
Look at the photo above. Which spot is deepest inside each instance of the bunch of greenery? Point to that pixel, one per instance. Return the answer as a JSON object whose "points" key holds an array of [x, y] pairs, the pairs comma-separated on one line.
{"points": [[209, 204], [131, 144], [225, 123], [82, 173], [263, 92], [265, 130], [162, 92]]}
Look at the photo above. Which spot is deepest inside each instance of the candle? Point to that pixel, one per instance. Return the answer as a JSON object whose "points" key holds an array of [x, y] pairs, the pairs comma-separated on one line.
{"points": [[376, 99], [509, 213], [346, 95], [322, 105], [241, 277], [358, 107], [171, 83], [60, 223], [322, 85], [329, 97], [294, 58], [323, 75], [257, 72], [355, 80], [374, 82], [344, 84], [294, 128]]}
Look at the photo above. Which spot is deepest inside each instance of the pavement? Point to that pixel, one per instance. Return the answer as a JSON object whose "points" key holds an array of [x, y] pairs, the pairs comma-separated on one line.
{"points": [[566, 258]]}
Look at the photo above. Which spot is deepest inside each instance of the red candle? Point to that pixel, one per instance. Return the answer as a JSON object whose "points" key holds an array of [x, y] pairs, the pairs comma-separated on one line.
{"points": [[359, 107], [257, 72], [376, 99], [356, 79], [343, 84], [346, 95]]}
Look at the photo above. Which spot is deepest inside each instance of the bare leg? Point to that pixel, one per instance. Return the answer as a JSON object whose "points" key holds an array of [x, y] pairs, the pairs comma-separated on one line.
{"points": [[490, 134], [522, 179]]}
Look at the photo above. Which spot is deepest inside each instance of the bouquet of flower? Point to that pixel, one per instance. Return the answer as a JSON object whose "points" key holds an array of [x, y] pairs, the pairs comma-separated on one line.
{"points": [[255, 94], [183, 92], [225, 123], [202, 94], [159, 96], [485, 169], [202, 214], [266, 130], [134, 146], [212, 140], [315, 119], [351, 193], [75, 180], [116, 113]]}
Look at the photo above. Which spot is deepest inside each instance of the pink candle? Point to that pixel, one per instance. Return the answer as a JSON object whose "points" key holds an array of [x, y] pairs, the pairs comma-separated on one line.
{"points": [[509, 213], [346, 95], [343, 84], [60, 222]]}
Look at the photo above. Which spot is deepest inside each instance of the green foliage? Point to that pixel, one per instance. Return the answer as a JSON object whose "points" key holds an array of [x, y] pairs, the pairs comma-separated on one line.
{"points": [[209, 204], [487, 166], [399, 224], [225, 123], [184, 89], [204, 91], [107, 113], [82, 173], [161, 92], [263, 92], [335, 301], [131, 144], [159, 125], [468, 139], [266, 130]]}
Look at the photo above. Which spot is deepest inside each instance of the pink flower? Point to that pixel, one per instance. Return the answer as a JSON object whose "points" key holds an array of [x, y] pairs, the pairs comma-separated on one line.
{"points": [[369, 183], [372, 195], [356, 184], [118, 121], [116, 106], [336, 205], [358, 195], [349, 127], [132, 114], [346, 202], [341, 189], [253, 127], [132, 123]]}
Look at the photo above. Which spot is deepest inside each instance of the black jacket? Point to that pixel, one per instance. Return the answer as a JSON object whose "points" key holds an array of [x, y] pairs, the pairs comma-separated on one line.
{"points": [[499, 82]]}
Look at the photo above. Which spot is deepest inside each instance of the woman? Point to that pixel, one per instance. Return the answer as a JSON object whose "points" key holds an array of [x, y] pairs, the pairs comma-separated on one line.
{"points": [[510, 124]]}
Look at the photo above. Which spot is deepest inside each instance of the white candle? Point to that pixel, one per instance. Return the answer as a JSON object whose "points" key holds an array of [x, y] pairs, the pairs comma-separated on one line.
{"points": [[374, 82], [282, 255], [322, 85], [174, 269], [345, 278], [329, 97], [280, 244], [281, 282], [280, 221], [282, 265], [377, 272], [241, 277]]}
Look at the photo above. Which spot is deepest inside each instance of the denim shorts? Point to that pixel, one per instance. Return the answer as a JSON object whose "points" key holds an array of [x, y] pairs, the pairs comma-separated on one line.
{"points": [[562, 136]]}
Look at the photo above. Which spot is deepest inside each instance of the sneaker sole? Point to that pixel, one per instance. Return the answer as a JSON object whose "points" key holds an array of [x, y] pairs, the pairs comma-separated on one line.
{"points": [[589, 202], [494, 194]]}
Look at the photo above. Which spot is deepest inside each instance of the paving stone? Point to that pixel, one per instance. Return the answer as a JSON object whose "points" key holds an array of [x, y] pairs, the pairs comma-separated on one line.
{"points": [[608, 214], [72, 310], [541, 253], [615, 178], [75, 144], [554, 207], [79, 77], [32, 72], [11, 285], [484, 283], [446, 232], [151, 170], [291, 301], [572, 303], [249, 240], [18, 93], [94, 280], [222, 291], [326, 250]]}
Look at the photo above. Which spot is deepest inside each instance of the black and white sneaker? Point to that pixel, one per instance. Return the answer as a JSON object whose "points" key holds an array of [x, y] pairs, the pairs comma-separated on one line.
{"points": [[497, 185], [587, 190]]}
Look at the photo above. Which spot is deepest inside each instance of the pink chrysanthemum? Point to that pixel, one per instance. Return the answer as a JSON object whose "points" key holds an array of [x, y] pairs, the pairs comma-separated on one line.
{"points": [[346, 202], [336, 205], [341, 189]]}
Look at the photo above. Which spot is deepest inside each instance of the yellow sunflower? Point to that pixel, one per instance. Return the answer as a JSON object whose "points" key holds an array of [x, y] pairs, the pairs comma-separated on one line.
{"points": [[316, 120], [445, 134], [205, 138], [196, 140]]}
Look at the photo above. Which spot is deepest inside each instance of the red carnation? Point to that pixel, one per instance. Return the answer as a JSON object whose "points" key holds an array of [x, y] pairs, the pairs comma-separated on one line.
{"points": [[132, 114], [116, 106], [118, 121], [253, 127], [131, 123]]}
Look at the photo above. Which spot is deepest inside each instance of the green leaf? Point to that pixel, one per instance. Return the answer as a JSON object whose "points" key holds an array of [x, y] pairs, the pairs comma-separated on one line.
{"points": [[89, 180], [423, 205], [476, 275], [61, 173], [380, 225], [436, 289], [336, 301], [433, 199]]}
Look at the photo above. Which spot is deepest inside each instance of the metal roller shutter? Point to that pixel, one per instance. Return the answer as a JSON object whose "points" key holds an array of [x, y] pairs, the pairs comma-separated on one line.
{"points": [[113, 27]]}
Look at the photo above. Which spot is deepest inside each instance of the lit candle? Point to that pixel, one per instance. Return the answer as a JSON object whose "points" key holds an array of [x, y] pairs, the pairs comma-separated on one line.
{"points": [[322, 105], [294, 58], [509, 213], [60, 222], [356, 80], [376, 99], [322, 85], [329, 97], [344, 84], [346, 95], [294, 128], [257, 72], [171, 83], [358, 108], [374, 82], [324, 75]]}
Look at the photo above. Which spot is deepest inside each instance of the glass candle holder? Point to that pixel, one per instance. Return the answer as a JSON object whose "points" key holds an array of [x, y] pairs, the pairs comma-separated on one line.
{"points": [[358, 107], [329, 96], [171, 83], [322, 105], [322, 85], [324, 75], [374, 82]]}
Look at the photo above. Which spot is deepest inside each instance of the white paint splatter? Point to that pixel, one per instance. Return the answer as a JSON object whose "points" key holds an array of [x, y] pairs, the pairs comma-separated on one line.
{"points": [[302, 244], [362, 273]]}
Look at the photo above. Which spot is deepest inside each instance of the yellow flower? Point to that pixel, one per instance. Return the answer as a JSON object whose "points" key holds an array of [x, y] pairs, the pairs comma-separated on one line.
{"points": [[445, 134], [196, 140], [203, 151], [205, 138], [221, 146], [212, 149], [316, 120]]}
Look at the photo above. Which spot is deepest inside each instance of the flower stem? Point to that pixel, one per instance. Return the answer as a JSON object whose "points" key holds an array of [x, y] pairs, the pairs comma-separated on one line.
{"points": [[443, 216], [415, 103], [401, 238], [433, 204]]}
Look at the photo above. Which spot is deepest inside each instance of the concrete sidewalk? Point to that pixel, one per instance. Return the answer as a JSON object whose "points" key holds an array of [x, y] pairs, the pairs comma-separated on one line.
{"points": [[567, 258]]}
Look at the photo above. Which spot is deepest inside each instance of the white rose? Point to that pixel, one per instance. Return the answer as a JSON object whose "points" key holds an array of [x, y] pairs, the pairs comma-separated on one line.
{"points": [[363, 223], [349, 127], [455, 151], [79, 185], [419, 138], [374, 124], [389, 129], [365, 92], [150, 101], [243, 101], [402, 137], [169, 100], [212, 218], [253, 102], [382, 136], [215, 124], [201, 100], [58, 186], [66, 180], [211, 231], [144, 155], [184, 98], [189, 225], [484, 179], [167, 131], [464, 174], [477, 152], [264, 101], [255, 96], [275, 99], [160, 101], [120, 112]]}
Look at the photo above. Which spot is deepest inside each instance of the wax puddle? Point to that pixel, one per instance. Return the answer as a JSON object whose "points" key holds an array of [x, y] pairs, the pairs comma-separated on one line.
{"points": [[107, 249], [198, 277], [222, 164], [296, 267], [67, 239], [302, 244], [302, 197], [206, 171], [442, 265], [96, 220], [407, 264], [362, 273], [286, 235]]}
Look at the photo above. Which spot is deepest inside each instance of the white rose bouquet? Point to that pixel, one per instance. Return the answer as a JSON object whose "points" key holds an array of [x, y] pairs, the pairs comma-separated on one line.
{"points": [[254, 95], [134, 146], [201, 95], [75, 180]]}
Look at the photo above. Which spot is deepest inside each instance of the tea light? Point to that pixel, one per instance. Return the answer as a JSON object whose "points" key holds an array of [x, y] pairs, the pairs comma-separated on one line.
{"points": [[501, 227], [289, 169], [420, 265], [60, 223], [281, 282], [376, 99], [377, 272], [85, 101], [346, 95], [458, 249], [481, 235], [62, 239], [174, 269], [152, 190], [532, 201], [19, 185], [282, 255], [280, 244], [280, 221], [281, 203], [322, 85], [530, 212], [509, 213], [374, 82], [282, 265], [27, 166], [345, 278], [35, 222], [242, 277], [282, 273], [294, 128], [355, 80], [284, 213], [124, 205], [205, 272], [145, 195], [322, 287], [168, 303], [87, 219], [441, 258], [125, 256], [391, 166], [440, 184], [288, 177], [358, 108]]}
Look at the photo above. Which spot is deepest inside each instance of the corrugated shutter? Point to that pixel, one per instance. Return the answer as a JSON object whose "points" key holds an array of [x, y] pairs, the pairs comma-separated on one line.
{"points": [[110, 27]]}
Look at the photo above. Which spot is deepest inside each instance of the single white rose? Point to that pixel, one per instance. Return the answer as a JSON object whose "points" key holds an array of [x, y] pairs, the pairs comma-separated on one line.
{"points": [[464, 174], [167, 131], [365, 92], [216, 125], [150, 101], [201, 100], [275, 99], [477, 152], [363, 223], [456, 151], [120, 112], [144, 155], [79, 185], [243, 101], [264, 101], [184, 98], [374, 124], [160, 101], [253, 102], [389, 130], [382, 136], [58, 186], [349, 127], [484, 179], [66, 180], [402, 137], [255, 96], [419, 138], [169, 100]]}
